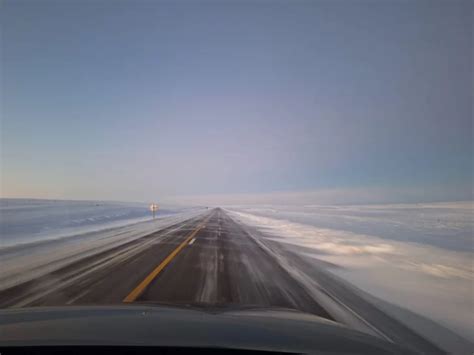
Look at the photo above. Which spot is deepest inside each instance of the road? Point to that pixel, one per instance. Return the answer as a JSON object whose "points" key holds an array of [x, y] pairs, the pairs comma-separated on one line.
{"points": [[205, 260]]}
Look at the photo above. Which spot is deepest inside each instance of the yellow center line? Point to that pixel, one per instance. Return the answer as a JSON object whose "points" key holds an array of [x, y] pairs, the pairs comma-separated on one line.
{"points": [[137, 291]]}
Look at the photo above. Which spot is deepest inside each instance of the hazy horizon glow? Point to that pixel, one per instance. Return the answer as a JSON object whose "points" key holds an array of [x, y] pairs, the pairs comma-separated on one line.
{"points": [[355, 101]]}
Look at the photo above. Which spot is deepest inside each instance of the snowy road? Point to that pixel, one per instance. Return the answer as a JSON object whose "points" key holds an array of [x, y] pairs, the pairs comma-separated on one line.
{"points": [[219, 264], [208, 259]]}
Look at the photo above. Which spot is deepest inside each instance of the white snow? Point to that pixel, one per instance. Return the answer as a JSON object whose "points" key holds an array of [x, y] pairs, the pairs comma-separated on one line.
{"points": [[419, 257], [24, 221]]}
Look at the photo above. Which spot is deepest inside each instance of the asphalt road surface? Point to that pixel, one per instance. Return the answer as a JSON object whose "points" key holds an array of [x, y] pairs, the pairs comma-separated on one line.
{"points": [[206, 260]]}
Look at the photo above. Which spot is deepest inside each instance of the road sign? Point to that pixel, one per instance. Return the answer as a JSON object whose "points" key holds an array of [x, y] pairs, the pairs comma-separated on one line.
{"points": [[153, 208]]}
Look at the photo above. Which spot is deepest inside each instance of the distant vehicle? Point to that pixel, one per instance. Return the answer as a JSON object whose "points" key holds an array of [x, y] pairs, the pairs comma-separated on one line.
{"points": [[176, 329]]}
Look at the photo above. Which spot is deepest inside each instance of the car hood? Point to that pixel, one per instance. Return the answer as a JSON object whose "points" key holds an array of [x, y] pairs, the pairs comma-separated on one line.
{"points": [[226, 327]]}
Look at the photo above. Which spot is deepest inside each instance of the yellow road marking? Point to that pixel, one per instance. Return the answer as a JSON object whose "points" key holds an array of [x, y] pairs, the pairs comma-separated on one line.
{"points": [[137, 291]]}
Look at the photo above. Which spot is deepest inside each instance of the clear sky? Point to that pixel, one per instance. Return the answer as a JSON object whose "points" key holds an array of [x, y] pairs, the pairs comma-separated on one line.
{"points": [[139, 100]]}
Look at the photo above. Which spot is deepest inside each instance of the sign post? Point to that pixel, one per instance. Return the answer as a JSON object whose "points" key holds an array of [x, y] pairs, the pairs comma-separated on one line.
{"points": [[153, 208]]}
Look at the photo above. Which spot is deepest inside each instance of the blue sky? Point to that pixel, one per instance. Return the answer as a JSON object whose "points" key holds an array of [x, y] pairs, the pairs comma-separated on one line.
{"points": [[142, 100]]}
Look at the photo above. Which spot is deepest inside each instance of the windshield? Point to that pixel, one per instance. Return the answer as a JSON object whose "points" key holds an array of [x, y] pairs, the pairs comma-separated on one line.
{"points": [[309, 156]]}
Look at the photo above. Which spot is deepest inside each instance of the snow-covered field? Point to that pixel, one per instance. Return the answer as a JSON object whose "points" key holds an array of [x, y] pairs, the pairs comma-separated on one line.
{"points": [[417, 256], [39, 236], [32, 220]]}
